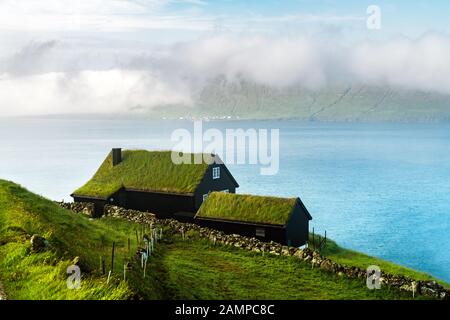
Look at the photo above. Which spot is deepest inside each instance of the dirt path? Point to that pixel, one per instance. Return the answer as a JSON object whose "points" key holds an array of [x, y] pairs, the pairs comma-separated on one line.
{"points": [[2, 293]]}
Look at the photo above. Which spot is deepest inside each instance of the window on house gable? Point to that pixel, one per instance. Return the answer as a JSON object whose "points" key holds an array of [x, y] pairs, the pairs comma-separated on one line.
{"points": [[216, 173], [205, 196]]}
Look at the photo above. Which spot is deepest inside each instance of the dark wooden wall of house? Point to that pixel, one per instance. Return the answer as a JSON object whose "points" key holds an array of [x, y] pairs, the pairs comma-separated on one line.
{"points": [[164, 205], [297, 228], [209, 184], [272, 233]]}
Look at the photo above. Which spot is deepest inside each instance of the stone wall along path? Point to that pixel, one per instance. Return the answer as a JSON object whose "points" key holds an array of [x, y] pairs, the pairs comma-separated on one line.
{"points": [[429, 288]]}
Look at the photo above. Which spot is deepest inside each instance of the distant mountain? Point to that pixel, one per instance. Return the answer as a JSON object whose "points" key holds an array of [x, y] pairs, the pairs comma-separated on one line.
{"points": [[223, 99]]}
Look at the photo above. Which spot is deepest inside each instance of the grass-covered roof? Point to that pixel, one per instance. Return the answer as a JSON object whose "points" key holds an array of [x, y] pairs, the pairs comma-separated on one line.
{"points": [[146, 171], [247, 208]]}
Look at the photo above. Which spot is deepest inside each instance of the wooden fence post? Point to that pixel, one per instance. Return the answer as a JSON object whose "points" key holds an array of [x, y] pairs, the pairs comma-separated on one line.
{"points": [[145, 266], [112, 256]]}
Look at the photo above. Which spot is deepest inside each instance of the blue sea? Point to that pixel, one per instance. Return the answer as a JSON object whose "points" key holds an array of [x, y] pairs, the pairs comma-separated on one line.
{"points": [[383, 189]]}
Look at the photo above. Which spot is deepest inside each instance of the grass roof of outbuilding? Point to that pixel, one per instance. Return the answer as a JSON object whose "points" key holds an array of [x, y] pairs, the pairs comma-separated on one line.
{"points": [[146, 171], [247, 208]]}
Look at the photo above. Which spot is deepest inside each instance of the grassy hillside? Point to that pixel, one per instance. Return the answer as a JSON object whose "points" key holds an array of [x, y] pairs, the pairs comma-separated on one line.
{"points": [[361, 260], [197, 269], [27, 275], [179, 269]]}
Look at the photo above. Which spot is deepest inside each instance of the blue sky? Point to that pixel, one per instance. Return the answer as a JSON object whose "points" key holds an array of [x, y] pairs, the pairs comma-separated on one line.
{"points": [[183, 19], [410, 18]]}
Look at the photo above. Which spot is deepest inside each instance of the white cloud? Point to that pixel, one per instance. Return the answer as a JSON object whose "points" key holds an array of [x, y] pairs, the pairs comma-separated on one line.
{"points": [[43, 78], [421, 64], [112, 91], [271, 61]]}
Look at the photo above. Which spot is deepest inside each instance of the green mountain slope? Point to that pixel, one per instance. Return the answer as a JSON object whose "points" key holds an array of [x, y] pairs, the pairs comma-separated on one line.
{"points": [[222, 99]]}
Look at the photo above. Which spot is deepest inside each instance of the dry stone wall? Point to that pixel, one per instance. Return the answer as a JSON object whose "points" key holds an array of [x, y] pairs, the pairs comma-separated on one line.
{"points": [[85, 208], [428, 288]]}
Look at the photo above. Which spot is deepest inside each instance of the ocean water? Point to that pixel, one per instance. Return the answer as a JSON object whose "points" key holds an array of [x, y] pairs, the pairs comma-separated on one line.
{"points": [[383, 189]]}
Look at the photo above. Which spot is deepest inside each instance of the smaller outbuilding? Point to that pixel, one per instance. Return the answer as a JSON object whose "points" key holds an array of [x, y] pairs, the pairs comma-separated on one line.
{"points": [[283, 220]]}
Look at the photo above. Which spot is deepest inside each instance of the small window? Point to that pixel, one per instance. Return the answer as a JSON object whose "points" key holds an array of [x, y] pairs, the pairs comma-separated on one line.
{"points": [[226, 191], [205, 196], [260, 232], [216, 172]]}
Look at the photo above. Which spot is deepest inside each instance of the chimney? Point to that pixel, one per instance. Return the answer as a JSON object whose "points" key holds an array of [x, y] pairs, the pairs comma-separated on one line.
{"points": [[116, 156]]}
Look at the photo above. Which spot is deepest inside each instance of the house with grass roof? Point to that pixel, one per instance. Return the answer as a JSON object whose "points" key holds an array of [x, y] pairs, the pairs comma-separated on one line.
{"points": [[283, 220], [150, 181]]}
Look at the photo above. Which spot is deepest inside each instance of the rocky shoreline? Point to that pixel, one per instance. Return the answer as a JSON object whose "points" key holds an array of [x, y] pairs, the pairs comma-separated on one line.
{"points": [[416, 287]]}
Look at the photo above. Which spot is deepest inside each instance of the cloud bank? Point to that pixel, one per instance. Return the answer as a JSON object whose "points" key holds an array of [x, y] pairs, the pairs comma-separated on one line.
{"points": [[57, 77]]}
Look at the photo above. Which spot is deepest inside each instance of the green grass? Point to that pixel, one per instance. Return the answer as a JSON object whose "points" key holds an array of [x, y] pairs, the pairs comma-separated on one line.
{"points": [[27, 275], [189, 269], [196, 269], [144, 170], [249, 208], [353, 258]]}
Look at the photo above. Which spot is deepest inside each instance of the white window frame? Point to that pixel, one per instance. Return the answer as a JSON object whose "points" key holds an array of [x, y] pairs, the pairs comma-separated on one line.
{"points": [[226, 190], [205, 196], [216, 173]]}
